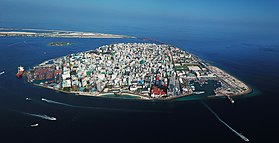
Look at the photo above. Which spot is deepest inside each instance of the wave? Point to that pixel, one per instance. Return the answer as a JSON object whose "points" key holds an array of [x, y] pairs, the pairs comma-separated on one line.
{"points": [[223, 122]]}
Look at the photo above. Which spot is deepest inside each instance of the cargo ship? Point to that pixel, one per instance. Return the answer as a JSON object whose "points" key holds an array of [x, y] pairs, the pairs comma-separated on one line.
{"points": [[20, 72]]}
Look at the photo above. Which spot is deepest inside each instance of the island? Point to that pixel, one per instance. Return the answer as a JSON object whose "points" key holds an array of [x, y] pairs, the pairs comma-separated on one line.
{"points": [[142, 70], [55, 33], [59, 44]]}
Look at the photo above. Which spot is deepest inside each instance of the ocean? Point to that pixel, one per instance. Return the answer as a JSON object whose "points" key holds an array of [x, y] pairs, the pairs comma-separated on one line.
{"points": [[248, 53]]}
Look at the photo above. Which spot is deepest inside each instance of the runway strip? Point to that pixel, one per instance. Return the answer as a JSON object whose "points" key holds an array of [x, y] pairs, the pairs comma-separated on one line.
{"points": [[223, 122]]}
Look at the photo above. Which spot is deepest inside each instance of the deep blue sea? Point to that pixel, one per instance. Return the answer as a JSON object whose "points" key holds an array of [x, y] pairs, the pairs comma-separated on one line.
{"points": [[249, 53]]}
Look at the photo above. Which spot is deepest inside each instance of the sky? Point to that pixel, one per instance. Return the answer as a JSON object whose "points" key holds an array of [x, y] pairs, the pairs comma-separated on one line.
{"points": [[141, 11]]}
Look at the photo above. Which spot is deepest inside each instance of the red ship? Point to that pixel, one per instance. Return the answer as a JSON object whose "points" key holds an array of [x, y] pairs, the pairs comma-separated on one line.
{"points": [[20, 72]]}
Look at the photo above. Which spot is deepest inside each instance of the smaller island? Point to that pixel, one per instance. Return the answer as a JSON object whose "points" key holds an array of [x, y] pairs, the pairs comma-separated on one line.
{"points": [[59, 44]]}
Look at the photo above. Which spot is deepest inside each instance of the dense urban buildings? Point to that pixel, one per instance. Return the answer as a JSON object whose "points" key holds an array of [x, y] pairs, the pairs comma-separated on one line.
{"points": [[144, 70]]}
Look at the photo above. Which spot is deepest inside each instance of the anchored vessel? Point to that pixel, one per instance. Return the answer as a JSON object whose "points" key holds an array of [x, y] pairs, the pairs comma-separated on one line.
{"points": [[20, 72]]}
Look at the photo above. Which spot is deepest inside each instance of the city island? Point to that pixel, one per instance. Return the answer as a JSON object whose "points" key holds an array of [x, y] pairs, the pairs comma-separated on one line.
{"points": [[146, 71]]}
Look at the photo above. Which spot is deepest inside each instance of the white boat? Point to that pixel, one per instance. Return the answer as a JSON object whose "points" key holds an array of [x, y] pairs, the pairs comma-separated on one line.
{"points": [[193, 88], [198, 92], [34, 125], [230, 99], [2, 72], [28, 99], [52, 118], [49, 118]]}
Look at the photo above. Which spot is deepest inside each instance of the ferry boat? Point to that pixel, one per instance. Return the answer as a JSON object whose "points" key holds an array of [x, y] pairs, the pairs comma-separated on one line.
{"points": [[20, 72]]}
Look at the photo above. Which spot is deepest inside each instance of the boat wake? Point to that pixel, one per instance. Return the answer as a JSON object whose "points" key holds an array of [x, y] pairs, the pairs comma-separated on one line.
{"points": [[13, 44], [95, 108], [59, 103], [223, 122], [42, 116], [19, 43]]}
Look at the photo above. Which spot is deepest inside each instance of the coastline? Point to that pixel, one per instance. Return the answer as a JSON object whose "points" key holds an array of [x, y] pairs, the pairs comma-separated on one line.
{"points": [[233, 80], [253, 91], [103, 95]]}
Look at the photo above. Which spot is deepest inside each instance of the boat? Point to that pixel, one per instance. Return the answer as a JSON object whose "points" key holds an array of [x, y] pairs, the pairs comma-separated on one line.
{"points": [[199, 92], [2, 72], [117, 93], [34, 125], [20, 72], [193, 88], [28, 99], [50, 118], [230, 99]]}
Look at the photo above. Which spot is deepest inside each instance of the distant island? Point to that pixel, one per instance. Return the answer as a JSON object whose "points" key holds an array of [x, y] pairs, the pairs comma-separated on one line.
{"points": [[139, 70], [60, 44], [55, 33]]}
